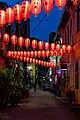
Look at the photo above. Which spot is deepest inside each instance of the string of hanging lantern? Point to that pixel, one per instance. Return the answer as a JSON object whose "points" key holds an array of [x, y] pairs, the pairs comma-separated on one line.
{"points": [[40, 45], [17, 56], [22, 11]]}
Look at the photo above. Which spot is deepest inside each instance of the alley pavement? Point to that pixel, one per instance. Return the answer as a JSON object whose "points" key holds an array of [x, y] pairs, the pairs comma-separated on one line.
{"points": [[41, 105]]}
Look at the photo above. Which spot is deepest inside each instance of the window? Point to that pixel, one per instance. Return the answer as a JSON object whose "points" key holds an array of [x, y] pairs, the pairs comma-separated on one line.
{"points": [[78, 18]]}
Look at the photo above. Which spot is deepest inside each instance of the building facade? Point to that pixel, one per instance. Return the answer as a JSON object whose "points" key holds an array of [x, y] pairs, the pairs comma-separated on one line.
{"points": [[69, 30]]}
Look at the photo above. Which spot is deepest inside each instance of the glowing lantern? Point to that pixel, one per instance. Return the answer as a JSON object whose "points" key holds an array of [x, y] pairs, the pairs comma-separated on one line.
{"points": [[24, 59], [2, 17], [15, 53], [42, 62], [36, 7], [12, 53], [21, 53], [53, 46], [27, 42], [47, 5], [61, 52], [47, 53], [55, 53], [18, 12], [34, 61], [69, 48], [14, 40], [47, 64], [34, 44], [37, 61], [20, 41], [64, 48], [51, 53], [47, 46], [27, 59], [21, 58], [31, 60], [6, 38], [32, 53], [60, 3], [25, 53], [58, 47], [43, 53], [17, 57], [9, 53], [51, 64], [18, 53], [39, 54], [9, 15], [35, 53], [28, 54], [26, 8], [40, 45]]}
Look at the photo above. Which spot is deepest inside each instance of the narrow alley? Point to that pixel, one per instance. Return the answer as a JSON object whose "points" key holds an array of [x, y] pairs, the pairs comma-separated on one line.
{"points": [[41, 105]]}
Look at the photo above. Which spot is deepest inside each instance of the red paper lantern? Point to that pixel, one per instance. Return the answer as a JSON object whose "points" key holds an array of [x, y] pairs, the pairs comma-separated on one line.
{"points": [[26, 8], [55, 53], [47, 53], [27, 59], [31, 60], [24, 59], [21, 54], [27, 42], [69, 48], [35, 53], [34, 61], [40, 45], [64, 48], [21, 58], [17, 57], [15, 53], [18, 12], [51, 64], [51, 53], [47, 5], [25, 54], [32, 53], [36, 7], [9, 54], [28, 54], [12, 53], [14, 40], [9, 15], [53, 46], [43, 53], [47, 64], [42, 62], [20, 41], [34, 44], [60, 3], [37, 61], [2, 17], [6, 38], [47, 46], [58, 47], [61, 52], [18, 53], [39, 54]]}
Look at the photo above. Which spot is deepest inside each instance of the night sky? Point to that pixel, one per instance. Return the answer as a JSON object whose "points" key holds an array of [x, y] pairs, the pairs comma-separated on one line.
{"points": [[49, 24]]}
